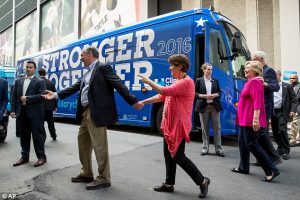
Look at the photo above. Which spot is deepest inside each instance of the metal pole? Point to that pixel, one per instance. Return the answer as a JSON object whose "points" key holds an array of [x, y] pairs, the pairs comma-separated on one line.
{"points": [[14, 34]]}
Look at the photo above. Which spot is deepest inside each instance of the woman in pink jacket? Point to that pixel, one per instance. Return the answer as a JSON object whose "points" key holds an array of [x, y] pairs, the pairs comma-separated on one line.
{"points": [[251, 117], [177, 123]]}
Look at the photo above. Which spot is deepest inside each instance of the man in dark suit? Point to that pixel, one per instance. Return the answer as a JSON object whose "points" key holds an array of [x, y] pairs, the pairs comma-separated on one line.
{"points": [[96, 109], [208, 93], [28, 107], [12, 89], [271, 85], [285, 105], [49, 106], [3, 96], [295, 124]]}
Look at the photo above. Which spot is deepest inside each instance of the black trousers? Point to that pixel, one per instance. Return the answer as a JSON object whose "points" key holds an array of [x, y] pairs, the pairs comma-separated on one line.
{"points": [[279, 128], [185, 163], [50, 121], [248, 142], [265, 142], [17, 127], [36, 128]]}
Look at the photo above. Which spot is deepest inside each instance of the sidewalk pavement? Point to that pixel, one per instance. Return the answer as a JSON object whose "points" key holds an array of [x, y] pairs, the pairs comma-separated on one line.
{"points": [[136, 172]]}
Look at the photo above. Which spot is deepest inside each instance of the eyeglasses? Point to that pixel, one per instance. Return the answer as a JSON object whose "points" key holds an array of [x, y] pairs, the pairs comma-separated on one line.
{"points": [[292, 78]]}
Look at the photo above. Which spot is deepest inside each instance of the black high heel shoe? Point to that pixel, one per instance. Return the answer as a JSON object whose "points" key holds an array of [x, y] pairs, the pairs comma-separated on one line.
{"points": [[237, 170], [274, 175]]}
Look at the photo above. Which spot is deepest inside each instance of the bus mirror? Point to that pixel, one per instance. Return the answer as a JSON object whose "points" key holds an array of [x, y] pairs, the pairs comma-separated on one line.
{"points": [[236, 43]]}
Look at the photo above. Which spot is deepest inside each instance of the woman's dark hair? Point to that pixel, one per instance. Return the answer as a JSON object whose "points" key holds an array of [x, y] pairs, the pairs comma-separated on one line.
{"points": [[42, 72], [180, 60]]}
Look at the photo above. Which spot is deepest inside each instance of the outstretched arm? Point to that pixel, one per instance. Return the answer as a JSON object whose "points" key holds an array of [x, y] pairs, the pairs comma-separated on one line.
{"points": [[158, 88], [153, 99], [49, 95], [63, 93]]}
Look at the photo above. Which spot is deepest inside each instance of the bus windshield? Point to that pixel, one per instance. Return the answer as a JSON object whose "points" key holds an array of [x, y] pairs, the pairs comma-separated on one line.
{"points": [[238, 64]]}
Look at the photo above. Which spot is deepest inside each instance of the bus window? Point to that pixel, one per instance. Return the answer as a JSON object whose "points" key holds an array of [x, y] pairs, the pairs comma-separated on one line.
{"points": [[217, 51], [238, 64]]}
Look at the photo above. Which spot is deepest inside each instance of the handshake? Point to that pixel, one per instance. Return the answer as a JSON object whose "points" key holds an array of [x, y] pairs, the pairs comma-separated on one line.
{"points": [[139, 105], [49, 95]]}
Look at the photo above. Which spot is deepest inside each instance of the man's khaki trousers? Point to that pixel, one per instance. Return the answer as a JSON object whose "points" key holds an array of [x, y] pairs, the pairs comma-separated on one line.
{"points": [[92, 137]]}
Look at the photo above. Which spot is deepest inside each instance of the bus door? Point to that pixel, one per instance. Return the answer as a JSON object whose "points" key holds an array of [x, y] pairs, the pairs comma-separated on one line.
{"points": [[199, 57], [198, 73], [217, 53]]}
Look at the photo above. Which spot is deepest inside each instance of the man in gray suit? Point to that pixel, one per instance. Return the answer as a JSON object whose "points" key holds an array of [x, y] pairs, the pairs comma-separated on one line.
{"points": [[295, 124], [96, 109]]}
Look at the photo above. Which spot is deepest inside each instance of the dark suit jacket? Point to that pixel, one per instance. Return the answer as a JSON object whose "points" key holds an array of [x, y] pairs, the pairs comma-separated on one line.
{"points": [[34, 103], [297, 91], [269, 76], [49, 105], [201, 89], [101, 95], [3, 96], [289, 101]]}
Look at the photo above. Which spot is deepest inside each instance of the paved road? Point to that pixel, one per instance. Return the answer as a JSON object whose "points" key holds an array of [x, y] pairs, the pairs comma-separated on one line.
{"points": [[137, 165]]}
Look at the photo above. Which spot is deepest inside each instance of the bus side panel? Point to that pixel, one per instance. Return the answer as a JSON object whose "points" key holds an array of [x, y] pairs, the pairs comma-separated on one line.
{"points": [[167, 39]]}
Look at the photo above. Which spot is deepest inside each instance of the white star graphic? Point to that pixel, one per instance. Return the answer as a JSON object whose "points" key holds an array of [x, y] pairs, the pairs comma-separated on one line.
{"points": [[200, 22]]}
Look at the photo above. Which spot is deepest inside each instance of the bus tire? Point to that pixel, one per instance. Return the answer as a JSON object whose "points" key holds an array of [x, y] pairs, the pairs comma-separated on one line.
{"points": [[159, 118], [3, 136], [3, 133], [3, 128]]}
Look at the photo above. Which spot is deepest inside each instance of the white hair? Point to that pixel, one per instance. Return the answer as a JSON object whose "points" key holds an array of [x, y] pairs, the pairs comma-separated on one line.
{"points": [[259, 54], [278, 71]]}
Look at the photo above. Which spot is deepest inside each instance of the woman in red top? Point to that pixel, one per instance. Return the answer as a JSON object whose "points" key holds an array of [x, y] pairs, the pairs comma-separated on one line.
{"points": [[176, 123], [251, 117]]}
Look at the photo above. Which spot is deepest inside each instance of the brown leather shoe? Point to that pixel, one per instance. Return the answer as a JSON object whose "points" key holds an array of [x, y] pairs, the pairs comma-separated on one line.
{"points": [[97, 185], [79, 179], [20, 162], [39, 162]]}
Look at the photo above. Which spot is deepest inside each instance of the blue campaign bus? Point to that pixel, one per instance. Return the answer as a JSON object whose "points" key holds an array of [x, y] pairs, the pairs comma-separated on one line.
{"points": [[8, 73], [143, 48]]}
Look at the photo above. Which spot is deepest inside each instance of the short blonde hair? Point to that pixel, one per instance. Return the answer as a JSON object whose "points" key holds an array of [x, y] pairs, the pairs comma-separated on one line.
{"points": [[255, 66], [205, 65]]}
